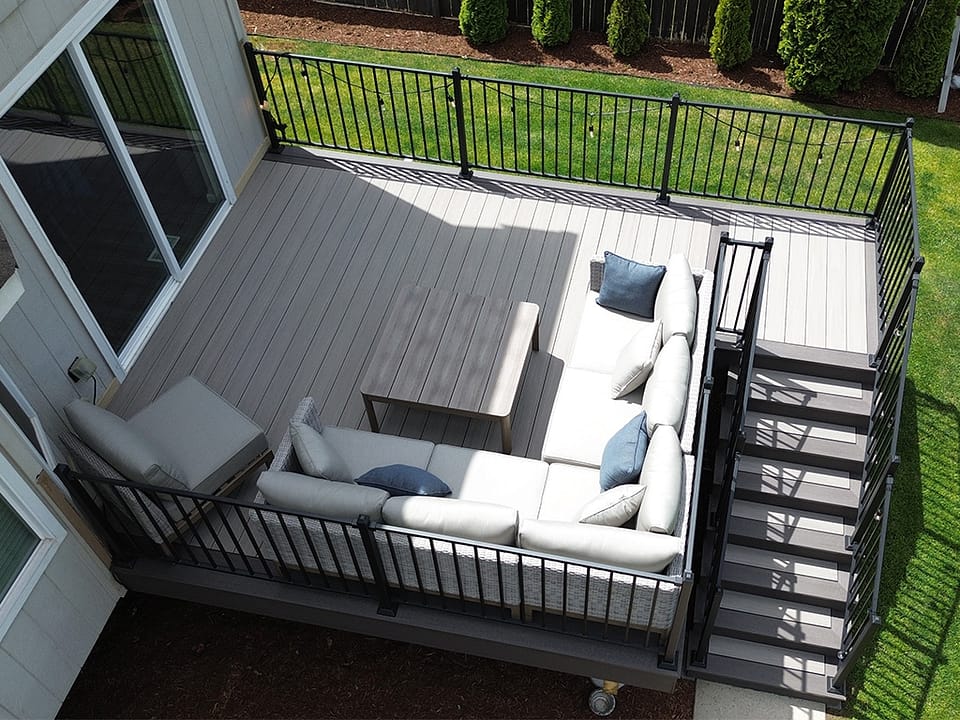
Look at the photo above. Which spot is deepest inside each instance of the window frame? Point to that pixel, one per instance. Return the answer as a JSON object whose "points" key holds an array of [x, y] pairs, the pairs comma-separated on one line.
{"points": [[23, 499]]}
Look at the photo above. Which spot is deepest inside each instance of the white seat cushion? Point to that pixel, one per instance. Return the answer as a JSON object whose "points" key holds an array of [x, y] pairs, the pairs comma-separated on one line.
{"points": [[676, 305], [663, 477], [491, 477], [363, 451], [335, 500], [568, 488], [482, 522], [665, 393], [585, 417], [632, 549], [211, 440], [602, 334]]}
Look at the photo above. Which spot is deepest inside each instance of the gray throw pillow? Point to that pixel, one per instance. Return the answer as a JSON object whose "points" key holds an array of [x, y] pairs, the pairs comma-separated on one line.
{"points": [[122, 446], [612, 507], [317, 456]]}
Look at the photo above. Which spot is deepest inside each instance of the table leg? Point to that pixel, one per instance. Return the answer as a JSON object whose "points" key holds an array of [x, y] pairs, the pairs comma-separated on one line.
{"points": [[371, 414], [506, 437]]}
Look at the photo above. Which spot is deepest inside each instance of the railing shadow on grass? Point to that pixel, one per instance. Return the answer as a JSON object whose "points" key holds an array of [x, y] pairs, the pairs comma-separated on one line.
{"points": [[920, 596]]}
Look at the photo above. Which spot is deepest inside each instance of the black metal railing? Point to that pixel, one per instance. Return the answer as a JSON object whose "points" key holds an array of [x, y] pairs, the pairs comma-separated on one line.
{"points": [[896, 224], [393, 565], [669, 146], [899, 264], [861, 616], [741, 271]]}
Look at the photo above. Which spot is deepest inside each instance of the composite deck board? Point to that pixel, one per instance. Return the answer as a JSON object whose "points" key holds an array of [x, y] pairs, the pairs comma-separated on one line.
{"points": [[300, 280]]}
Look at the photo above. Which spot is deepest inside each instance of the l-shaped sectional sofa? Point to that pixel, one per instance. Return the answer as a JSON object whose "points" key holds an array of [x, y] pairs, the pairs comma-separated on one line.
{"points": [[509, 534]]}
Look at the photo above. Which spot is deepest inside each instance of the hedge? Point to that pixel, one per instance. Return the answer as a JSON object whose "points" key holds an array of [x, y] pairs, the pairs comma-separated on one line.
{"points": [[552, 22], [483, 21], [628, 25], [730, 40], [920, 62]]}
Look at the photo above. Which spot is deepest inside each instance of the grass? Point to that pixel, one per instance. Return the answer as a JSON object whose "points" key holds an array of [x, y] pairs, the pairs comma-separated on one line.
{"points": [[913, 669]]}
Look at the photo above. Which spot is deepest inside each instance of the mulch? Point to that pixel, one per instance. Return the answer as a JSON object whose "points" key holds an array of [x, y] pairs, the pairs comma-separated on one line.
{"points": [[673, 61], [171, 659]]}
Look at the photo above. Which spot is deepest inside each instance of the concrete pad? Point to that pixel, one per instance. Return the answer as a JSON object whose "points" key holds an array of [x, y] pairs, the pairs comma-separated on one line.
{"points": [[715, 701]]}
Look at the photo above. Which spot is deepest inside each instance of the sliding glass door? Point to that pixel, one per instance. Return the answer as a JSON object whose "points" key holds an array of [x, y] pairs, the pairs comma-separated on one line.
{"points": [[107, 151]]}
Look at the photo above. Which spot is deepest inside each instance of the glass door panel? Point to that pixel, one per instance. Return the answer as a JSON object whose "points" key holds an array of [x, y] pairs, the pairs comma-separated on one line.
{"points": [[54, 147], [131, 59]]}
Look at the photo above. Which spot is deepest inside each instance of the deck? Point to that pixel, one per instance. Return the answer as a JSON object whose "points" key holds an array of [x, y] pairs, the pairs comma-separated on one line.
{"points": [[293, 291]]}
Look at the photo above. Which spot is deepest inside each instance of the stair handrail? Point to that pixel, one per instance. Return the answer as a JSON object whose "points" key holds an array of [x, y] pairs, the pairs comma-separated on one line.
{"points": [[718, 522], [861, 613]]}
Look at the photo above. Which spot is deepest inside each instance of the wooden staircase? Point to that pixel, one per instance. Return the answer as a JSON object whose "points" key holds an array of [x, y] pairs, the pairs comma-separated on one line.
{"points": [[785, 568]]}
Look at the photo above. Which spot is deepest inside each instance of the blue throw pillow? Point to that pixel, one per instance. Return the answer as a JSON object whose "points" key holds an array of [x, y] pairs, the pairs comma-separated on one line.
{"points": [[623, 456], [630, 286], [404, 480]]}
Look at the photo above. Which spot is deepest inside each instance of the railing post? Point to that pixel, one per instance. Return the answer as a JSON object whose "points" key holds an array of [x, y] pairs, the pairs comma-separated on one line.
{"points": [[664, 197], [387, 605], [465, 172], [669, 660], [268, 120]]}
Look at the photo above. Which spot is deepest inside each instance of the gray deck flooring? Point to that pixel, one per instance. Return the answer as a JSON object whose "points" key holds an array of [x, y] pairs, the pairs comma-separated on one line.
{"points": [[293, 292]]}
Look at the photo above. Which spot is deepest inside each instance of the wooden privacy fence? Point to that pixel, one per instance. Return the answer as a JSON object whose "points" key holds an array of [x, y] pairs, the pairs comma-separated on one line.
{"points": [[683, 20]]}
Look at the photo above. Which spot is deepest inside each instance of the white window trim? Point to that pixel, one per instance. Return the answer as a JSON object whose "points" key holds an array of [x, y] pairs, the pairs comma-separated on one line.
{"points": [[23, 499], [48, 456]]}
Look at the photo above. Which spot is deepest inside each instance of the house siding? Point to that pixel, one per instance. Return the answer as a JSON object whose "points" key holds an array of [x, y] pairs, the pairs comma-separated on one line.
{"points": [[212, 35], [49, 640]]}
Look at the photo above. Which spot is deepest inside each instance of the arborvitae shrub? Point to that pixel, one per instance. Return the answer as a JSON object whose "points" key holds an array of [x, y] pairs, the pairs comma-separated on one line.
{"points": [[730, 41], [628, 25], [552, 23], [483, 21], [832, 45], [918, 67]]}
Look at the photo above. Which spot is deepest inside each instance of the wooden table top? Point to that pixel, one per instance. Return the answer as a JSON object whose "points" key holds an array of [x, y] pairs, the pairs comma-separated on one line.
{"points": [[452, 351]]}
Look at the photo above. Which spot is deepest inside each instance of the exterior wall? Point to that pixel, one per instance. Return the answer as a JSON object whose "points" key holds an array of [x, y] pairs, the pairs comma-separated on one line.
{"points": [[212, 34], [31, 27], [52, 634], [42, 334]]}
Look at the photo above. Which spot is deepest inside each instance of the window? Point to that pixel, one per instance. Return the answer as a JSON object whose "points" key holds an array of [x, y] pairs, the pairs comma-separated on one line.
{"points": [[29, 537], [18, 542]]}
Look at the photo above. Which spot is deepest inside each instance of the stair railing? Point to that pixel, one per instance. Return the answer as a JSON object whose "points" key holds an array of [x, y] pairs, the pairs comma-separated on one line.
{"points": [[861, 615], [899, 264], [738, 313]]}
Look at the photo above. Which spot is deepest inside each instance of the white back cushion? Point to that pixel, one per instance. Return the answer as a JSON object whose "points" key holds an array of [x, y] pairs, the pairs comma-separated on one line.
{"points": [[676, 305], [662, 476], [665, 394]]}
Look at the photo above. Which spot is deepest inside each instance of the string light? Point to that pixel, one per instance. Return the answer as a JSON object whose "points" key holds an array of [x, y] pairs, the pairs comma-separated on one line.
{"points": [[591, 131]]}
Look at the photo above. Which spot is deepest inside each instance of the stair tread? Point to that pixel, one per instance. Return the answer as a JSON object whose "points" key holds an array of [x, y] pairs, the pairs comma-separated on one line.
{"points": [[815, 361], [811, 395], [793, 529], [746, 672], [798, 485], [804, 438], [771, 572], [780, 622]]}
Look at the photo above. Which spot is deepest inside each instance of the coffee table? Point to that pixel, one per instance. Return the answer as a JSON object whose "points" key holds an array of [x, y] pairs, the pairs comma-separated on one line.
{"points": [[452, 352]]}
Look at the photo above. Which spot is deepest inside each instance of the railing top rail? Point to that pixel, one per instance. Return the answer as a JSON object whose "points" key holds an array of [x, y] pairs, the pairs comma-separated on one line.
{"points": [[351, 63], [580, 91], [880, 124], [247, 505], [524, 552], [915, 221]]}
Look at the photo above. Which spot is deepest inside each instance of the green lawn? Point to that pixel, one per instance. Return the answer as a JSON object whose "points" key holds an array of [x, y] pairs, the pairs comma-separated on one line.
{"points": [[914, 669]]}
